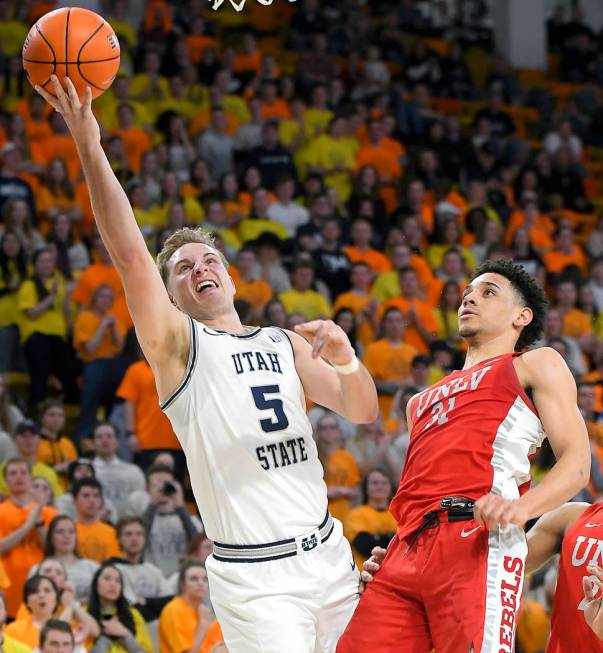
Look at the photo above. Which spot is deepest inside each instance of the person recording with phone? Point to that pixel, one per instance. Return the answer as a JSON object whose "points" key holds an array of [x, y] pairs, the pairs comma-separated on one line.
{"points": [[168, 523]]}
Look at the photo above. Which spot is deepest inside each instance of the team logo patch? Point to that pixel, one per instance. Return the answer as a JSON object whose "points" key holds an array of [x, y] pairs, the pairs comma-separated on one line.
{"points": [[309, 543]]}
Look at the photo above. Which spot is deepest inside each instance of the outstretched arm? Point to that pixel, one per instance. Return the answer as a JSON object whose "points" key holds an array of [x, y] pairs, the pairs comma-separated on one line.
{"points": [[546, 536], [161, 328], [351, 395]]}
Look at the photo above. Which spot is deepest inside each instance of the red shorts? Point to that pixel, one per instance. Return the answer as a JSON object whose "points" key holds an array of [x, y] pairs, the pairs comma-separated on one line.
{"points": [[457, 587]]}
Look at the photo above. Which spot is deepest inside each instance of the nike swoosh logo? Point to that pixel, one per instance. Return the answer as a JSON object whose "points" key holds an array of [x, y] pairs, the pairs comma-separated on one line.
{"points": [[465, 533], [592, 525]]}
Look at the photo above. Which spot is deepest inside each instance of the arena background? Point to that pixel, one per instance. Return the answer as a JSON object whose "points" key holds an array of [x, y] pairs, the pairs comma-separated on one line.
{"points": [[356, 160]]}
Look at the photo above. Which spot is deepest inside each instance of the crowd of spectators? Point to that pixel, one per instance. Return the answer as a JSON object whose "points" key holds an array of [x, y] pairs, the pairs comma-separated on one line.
{"points": [[357, 161]]}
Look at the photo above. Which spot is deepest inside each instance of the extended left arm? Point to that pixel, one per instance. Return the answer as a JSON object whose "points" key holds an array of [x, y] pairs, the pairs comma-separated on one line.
{"points": [[353, 396], [554, 394]]}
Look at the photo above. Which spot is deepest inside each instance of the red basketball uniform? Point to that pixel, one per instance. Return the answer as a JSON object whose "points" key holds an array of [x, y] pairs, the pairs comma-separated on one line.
{"points": [[582, 545], [456, 585]]}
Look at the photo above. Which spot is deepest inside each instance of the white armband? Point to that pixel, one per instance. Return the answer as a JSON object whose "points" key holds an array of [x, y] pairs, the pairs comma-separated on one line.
{"points": [[348, 368]]}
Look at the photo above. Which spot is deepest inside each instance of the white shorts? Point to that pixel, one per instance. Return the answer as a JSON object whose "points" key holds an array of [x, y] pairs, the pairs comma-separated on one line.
{"points": [[299, 604]]}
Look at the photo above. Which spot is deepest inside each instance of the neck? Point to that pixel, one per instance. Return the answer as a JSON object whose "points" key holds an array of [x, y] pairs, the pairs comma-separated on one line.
{"points": [[87, 519], [21, 499], [31, 458], [67, 556], [132, 556], [49, 434], [230, 322], [107, 457], [106, 605], [378, 504], [191, 600], [479, 352]]}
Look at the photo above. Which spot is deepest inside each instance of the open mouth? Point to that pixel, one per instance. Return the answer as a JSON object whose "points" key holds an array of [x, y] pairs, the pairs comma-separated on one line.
{"points": [[205, 285]]}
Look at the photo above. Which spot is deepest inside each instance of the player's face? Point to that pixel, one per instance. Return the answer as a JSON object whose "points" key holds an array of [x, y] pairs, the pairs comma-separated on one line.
{"points": [[491, 309], [200, 285]]}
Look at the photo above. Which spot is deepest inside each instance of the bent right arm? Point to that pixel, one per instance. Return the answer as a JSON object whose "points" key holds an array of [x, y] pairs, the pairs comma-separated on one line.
{"points": [[10, 541], [161, 328]]}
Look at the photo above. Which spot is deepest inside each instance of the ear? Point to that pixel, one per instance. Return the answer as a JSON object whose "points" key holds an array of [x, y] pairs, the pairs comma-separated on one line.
{"points": [[524, 317], [172, 300]]}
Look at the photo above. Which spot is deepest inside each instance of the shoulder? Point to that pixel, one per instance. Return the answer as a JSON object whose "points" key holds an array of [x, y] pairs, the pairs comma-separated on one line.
{"points": [[542, 365]]}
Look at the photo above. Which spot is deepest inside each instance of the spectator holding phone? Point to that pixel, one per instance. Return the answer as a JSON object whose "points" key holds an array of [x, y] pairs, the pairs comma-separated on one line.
{"points": [[123, 630], [169, 525]]}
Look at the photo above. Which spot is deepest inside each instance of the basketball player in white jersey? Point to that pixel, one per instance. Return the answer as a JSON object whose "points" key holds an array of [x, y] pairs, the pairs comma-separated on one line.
{"points": [[282, 576]]}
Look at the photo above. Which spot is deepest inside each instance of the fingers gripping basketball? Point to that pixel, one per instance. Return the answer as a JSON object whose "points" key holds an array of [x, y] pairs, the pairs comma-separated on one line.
{"points": [[75, 43]]}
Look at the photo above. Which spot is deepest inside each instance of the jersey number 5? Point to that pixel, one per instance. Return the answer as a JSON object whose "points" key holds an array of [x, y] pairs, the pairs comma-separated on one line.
{"points": [[279, 421]]}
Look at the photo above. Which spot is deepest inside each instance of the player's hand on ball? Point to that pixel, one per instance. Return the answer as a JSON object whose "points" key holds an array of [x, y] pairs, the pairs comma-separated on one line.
{"points": [[328, 340], [371, 567], [592, 586], [493, 511], [77, 115]]}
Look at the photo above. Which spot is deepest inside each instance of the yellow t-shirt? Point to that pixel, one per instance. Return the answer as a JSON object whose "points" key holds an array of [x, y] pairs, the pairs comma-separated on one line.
{"points": [[177, 625], [96, 541], [342, 471], [371, 520], [316, 121], [9, 313], [311, 304], [327, 152], [12, 645], [85, 327], [251, 228], [39, 469], [52, 322]]}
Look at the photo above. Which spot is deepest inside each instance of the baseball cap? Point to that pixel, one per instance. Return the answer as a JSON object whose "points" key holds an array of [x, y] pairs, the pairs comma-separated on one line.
{"points": [[26, 425]]}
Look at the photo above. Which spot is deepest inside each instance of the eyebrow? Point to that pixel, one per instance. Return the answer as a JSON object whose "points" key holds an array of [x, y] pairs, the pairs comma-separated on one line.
{"points": [[481, 283]]}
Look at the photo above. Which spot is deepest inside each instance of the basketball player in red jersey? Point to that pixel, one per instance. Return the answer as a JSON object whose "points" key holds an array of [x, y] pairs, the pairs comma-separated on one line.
{"points": [[452, 577], [575, 530]]}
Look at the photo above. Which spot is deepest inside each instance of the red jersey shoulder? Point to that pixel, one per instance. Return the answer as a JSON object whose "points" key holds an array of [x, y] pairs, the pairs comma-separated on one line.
{"points": [[583, 542]]}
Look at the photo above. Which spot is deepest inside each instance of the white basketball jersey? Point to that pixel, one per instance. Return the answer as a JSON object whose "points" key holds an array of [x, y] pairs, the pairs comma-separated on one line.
{"points": [[240, 416]]}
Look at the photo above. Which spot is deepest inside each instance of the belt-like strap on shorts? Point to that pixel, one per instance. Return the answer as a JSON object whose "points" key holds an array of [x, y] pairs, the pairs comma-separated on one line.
{"points": [[275, 550], [451, 509]]}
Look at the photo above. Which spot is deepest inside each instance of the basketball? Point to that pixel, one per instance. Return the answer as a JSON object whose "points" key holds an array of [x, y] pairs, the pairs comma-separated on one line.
{"points": [[75, 43]]}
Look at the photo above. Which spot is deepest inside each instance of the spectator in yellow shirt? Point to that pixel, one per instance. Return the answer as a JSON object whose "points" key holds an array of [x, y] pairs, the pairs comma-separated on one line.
{"points": [[185, 623], [342, 475], [258, 222], [333, 155], [9, 644], [249, 288], [359, 299], [371, 524], [44, 318], [98, 338], [123, 628], [389, 359], [301, 298], [56, 450], [27, 441]]}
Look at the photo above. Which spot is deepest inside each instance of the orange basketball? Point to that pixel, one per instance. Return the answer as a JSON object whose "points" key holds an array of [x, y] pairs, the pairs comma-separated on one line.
{"points": [[75, 43]]}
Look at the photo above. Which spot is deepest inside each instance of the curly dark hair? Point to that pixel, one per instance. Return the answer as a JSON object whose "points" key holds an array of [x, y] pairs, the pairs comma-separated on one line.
{"points": [[529, 291]]}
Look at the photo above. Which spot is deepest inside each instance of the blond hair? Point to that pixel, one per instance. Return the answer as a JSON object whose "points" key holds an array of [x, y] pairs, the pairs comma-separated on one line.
{"points": [[182, 237]]}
